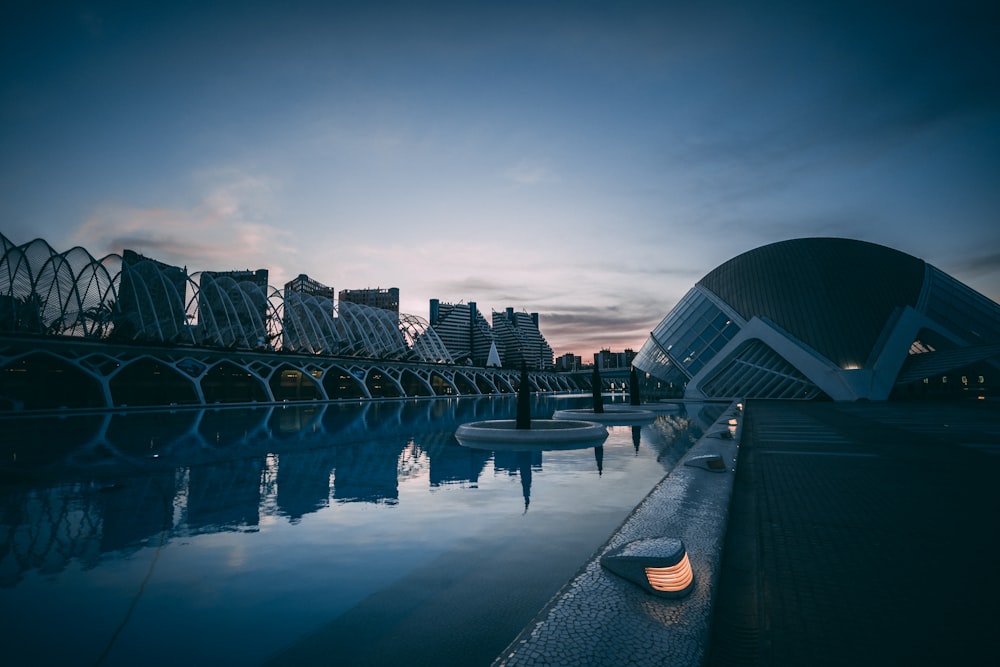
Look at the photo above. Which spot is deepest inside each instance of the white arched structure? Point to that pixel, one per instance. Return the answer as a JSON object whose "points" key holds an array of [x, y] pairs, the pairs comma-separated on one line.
{"points": [[46, 292], [822, 317]]}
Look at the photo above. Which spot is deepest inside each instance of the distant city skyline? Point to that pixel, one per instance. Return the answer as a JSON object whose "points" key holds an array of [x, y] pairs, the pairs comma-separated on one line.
{"points": [[586, 161]]}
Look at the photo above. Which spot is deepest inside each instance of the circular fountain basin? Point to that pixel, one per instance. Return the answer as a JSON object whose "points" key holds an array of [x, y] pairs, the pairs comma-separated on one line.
{"points": [[544, 433], [613, 414]]}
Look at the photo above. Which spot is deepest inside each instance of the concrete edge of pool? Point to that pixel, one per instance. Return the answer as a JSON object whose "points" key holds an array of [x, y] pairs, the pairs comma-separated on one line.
{"points": [[598, 618]]}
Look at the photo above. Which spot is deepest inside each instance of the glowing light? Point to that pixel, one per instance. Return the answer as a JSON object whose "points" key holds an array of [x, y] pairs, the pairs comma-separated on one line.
{"points": [[659, 565], [671, 579]]}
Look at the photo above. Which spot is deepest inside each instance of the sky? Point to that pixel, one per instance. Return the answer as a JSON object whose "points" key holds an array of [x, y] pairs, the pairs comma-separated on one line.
{"points": [[588, 161]]}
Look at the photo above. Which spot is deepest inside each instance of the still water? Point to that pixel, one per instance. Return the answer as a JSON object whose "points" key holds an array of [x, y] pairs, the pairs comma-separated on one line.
{"points": [[359, 534]]}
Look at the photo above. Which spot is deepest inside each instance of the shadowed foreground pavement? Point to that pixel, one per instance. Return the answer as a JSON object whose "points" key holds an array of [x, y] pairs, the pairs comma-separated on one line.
{"points": [[862, 534]]}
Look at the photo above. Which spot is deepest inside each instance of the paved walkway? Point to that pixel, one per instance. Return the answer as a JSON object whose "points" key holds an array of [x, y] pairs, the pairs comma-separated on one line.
{"points": [[863, 533], [600, 619]]}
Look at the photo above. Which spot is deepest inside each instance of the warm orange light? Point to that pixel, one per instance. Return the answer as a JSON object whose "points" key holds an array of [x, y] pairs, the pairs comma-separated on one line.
{"points": [[658, 565], [669, 579]]}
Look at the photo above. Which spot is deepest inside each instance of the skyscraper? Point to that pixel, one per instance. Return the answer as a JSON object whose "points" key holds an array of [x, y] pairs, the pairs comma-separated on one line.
{"points": [[233, 308], [519, 341], [151, 300], [463, 330], [386, 299], [306, 322]]}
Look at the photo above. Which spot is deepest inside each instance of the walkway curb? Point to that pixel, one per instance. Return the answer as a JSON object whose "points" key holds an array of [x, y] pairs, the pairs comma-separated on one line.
{"points": [[599, 618]]}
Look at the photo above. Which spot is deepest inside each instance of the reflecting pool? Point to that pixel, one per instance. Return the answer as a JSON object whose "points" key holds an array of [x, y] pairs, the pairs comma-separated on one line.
{"points": [[340, 534]]}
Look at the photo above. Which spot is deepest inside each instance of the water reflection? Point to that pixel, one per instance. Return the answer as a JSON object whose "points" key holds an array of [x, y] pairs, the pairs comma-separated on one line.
{"points": [[80, 486], [93, 489]]}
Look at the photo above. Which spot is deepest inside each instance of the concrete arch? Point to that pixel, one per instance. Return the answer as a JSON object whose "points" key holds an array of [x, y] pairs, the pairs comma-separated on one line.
{"points": [[288, 383], [465, 385], [339, 382], [504, 382], [516, 383], [150, 381], [414, 384], [484, 385], [40, 380], [199, 376], [381, 384], [542, 383], [443, 385], [226, 382]]}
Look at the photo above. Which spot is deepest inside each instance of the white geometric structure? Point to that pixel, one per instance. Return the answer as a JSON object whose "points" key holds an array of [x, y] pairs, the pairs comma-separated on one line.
{"points": [[131, 298], [493, 361], [821, 317]]}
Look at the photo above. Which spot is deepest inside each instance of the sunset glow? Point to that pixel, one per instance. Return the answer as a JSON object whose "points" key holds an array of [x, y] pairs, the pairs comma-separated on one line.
{"points": [[587, 162]]}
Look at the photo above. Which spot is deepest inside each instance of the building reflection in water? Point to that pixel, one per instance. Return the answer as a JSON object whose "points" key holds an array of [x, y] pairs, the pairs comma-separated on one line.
{"points": [[75, 488]]}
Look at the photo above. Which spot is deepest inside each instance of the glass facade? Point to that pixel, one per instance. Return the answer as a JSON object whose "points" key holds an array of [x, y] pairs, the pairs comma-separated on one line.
{"points": [[966, 313], [687, 339], [815, 317]]}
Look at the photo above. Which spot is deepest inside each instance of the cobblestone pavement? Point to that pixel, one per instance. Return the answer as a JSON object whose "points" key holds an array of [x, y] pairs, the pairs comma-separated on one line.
{"points": [[862, 533], [600, 619]]}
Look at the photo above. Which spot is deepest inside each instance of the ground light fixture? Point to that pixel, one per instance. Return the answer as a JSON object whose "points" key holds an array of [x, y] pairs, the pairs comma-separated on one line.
{"points": [[658, 565]]}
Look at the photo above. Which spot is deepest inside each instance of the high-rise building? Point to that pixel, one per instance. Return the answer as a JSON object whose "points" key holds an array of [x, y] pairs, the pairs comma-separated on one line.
{"points": [[151, 298], [463, 330], [387, 299], [569, 362], [233, 308], [606, 359], [305, 323], [258, 277], [303, 284], [519, 341]]}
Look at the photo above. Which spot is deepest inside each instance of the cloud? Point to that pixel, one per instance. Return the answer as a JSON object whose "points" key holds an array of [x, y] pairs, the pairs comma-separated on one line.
{"points": [[979, 270], [528, 173], [583, 329], [228, 228], [985, 263]]}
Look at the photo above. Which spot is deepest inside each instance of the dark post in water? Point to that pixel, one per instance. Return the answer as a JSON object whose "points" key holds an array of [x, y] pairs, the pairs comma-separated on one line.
{"points": [[524, 400], [595, 383], [633, 388]]}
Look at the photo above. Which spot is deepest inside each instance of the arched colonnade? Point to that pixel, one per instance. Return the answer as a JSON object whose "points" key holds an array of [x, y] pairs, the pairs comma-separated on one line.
{"points": [[51, 373]]}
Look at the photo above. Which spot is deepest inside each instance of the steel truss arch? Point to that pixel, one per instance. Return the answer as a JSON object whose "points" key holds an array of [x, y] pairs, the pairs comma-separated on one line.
{"points": [[72, 293]]}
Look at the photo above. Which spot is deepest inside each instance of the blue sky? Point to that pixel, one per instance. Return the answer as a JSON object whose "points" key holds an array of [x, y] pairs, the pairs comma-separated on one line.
{"points": [[587, 161]]}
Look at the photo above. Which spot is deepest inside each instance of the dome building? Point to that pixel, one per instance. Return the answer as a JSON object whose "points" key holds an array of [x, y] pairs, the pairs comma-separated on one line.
{"points": [[825, 318]]}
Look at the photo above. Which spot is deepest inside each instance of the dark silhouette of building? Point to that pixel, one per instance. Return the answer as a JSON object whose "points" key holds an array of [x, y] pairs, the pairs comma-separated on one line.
{"points": [[151, 300], [386, 299], [519, 341], [233, 308], [825, 317], [463, 330]]}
